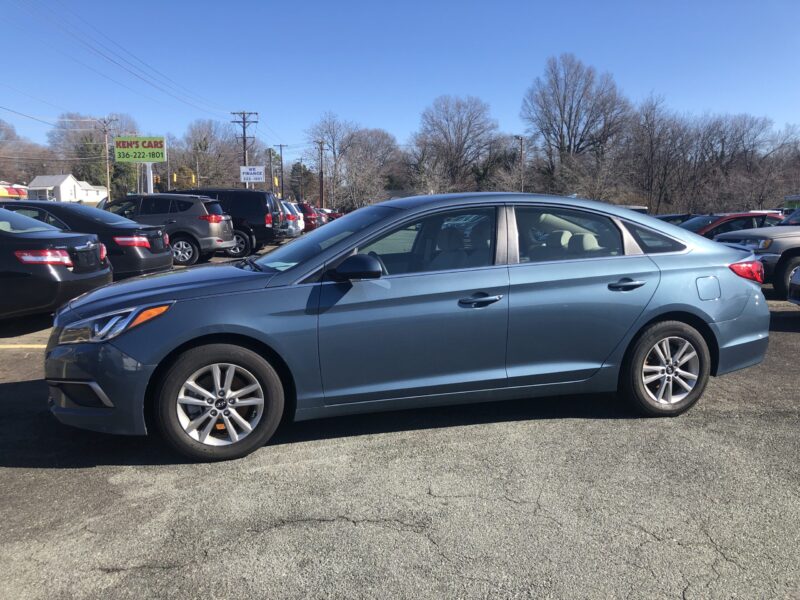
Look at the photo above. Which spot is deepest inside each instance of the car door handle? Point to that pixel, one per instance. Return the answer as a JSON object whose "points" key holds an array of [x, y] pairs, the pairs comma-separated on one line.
{"points": [[170, 222], [479, 300], [625, 284]]}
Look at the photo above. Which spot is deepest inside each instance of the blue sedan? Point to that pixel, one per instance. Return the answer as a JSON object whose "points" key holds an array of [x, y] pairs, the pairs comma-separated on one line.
{"points": [[415, 302]]}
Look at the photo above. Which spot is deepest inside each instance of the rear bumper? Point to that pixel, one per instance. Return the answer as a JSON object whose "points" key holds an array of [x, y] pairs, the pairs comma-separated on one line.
{"points": [[212, 244], [743, 341], [140, 263], [47, 290], [97, 387]]}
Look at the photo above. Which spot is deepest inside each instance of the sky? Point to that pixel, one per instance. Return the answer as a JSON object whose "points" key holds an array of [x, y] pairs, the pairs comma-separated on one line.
{"points": [[379, 63]]}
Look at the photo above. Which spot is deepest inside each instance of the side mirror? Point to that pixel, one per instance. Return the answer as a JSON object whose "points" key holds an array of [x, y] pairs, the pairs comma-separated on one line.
{"points": [[358, 266]]}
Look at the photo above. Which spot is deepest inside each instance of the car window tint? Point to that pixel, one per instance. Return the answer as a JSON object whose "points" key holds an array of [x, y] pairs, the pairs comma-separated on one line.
{"points": [[33, 213], [651, 242], [153, 205], [547, 234], [214, 208], [180, 206], [441, 242], [124, 208], [10, 222], [732, 225], [54, 221]]}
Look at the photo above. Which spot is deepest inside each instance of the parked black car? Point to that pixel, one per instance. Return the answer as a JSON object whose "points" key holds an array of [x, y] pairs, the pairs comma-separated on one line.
{"points": [[133, 249], [197, 225], [257, 217], [41, 267]]}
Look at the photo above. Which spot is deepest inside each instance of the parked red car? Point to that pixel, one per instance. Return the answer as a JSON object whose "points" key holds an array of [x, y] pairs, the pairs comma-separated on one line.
{"points": [[712, 225], [311, 217]]}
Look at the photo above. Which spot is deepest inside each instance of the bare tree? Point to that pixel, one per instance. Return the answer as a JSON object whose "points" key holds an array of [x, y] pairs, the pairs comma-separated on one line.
{"points": [[366, 166], [455, 135], [335, 133]]}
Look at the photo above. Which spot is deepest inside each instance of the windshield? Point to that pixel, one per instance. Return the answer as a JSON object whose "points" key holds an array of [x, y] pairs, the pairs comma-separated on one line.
{"points": [[792, 219], [99, 216], [697, 223], [311, 244], [11, 222]]}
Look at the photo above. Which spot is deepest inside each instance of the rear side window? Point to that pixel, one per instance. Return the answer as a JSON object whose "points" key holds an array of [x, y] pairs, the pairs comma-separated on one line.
{"points": [[153, 205], [651, 242], [551, 233], [214, 208], [180, 206]]}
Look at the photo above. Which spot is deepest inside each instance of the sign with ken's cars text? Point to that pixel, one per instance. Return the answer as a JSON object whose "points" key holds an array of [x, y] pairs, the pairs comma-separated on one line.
{"points": [[140, 149], [252, 174]]}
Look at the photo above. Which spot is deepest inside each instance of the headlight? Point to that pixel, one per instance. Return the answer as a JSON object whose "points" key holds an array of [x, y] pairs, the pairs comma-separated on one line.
{"points": [[110, 325], [758, 244]]}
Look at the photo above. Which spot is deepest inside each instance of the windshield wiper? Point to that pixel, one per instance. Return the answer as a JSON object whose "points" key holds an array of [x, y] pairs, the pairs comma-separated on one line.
{"points": [[251, 261]]}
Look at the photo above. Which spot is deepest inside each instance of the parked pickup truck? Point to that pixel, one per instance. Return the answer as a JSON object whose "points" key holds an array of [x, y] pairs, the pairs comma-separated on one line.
{"points": [[777, 247]]}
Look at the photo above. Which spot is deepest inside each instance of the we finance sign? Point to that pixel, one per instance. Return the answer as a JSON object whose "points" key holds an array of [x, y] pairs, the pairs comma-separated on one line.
{"points": [[140, 149]]}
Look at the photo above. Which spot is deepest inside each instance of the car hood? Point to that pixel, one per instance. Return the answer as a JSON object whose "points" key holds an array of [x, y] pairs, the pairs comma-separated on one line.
{"points": [[208, 280], [761, 233]]}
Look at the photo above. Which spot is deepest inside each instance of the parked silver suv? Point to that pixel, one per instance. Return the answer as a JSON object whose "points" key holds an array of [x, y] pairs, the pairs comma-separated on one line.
{"points": [[197, 225], [777, 247]]}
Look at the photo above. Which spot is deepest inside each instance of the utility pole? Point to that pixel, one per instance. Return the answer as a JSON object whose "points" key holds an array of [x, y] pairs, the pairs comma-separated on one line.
{"points": [[105, 125], [271, 176], [321, 187], [245, 119], [281, 146], [521, 141]]}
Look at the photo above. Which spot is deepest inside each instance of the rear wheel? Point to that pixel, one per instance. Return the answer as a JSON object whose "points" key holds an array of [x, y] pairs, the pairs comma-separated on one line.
{"points": [[667, 370], [784, 275], [219, 402], [243, 246], [185, 251]]}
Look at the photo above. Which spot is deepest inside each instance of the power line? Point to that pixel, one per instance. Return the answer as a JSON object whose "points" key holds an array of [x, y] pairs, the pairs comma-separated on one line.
{"points": [[245, 120]]}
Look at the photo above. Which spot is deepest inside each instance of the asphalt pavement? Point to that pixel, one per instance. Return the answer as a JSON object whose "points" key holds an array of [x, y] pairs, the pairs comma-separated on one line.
{"points": [[570, 497]]}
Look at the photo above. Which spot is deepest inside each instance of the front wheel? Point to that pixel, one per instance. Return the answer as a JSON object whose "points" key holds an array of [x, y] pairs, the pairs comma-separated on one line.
{"points": [[784, 275], [185, 251], [219, 402], [667, 369]]}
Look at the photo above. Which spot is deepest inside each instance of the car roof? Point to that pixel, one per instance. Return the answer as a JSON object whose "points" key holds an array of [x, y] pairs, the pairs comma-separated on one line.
{"points": [[443, 200], [172, 196]]}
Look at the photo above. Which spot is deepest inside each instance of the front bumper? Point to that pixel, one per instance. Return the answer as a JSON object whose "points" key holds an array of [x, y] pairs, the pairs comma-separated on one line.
{"points": [[769, 261], [96, 387]]}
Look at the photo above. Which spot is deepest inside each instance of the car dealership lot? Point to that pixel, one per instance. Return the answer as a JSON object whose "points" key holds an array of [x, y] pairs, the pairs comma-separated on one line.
{"points": [[565, 497]]}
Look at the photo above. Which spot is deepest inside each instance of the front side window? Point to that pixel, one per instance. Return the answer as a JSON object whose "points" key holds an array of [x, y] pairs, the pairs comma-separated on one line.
{"points": [[126, 207], [731, 225], [549, 233], [153, 205], [442, 242]]}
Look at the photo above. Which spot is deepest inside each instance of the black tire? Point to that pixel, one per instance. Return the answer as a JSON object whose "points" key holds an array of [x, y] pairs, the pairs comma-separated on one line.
{"points": [[185, 251], [244, 245], [189, 363], [631, 380], [784, 274]]}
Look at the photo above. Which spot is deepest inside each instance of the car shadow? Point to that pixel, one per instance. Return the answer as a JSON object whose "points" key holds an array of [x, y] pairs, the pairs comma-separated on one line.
{"points": [[10, 328], [784, 321], [33, 438]]}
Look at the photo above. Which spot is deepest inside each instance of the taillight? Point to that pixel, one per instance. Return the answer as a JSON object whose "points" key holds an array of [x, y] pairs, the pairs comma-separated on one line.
{"points": [[138, 241], [166, 239], [291, 217], [268, 219], [211, 218], [44, 257], [749, 269], [103, 252]]}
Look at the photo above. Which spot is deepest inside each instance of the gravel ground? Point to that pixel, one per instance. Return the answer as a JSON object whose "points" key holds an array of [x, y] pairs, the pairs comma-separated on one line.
{"points": [[555, 498]]}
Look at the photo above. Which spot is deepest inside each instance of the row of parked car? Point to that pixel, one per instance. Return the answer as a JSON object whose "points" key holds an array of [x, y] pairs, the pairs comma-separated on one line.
{"points": [[53, 251], [773, 237]]}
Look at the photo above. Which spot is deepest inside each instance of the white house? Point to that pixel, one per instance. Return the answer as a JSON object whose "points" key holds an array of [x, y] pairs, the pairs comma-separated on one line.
{"points": [[65, 188]]}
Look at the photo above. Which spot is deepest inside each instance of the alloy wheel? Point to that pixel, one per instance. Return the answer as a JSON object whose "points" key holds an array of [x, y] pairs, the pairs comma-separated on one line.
{"points": [[241, 244], [182, 251], [671, 369], [220, 404]]}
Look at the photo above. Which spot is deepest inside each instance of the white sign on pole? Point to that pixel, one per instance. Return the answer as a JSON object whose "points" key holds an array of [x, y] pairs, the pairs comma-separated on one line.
{"points": [[252, 174]]}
